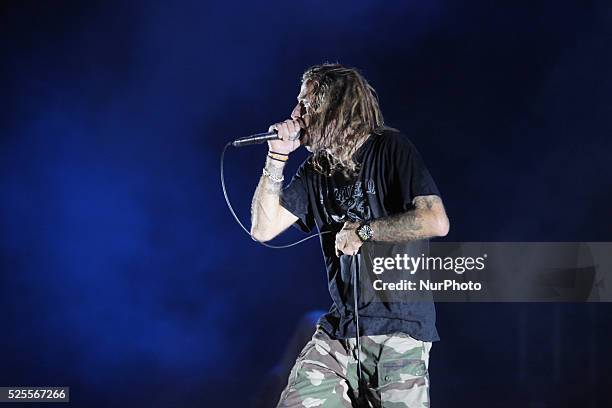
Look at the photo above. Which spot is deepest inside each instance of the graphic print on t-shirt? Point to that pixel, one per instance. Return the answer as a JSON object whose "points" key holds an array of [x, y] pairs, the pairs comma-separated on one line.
{"points": [[353, 201]]}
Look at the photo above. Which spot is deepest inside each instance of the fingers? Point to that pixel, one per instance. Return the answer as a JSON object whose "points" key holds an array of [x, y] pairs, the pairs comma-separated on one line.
{"points": [[347, 250], [345, 244], [341, 241], [340, 244], [287, 130]]}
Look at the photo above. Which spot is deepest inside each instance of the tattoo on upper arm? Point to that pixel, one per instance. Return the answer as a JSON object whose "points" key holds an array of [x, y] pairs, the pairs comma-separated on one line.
{"points": [[426, 202], [409, 225]]}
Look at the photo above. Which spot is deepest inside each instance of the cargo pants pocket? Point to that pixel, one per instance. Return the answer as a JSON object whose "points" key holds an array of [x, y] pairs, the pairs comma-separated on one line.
{"points": [[403, 382]]}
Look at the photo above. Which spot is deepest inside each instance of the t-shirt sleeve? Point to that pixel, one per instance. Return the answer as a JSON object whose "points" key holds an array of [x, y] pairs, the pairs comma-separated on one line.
{"points": [[410, 172], [295, 198]]}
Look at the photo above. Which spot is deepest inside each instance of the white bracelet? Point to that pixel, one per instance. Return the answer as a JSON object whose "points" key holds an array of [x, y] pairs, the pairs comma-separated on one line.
{"points": [[272, 177]]}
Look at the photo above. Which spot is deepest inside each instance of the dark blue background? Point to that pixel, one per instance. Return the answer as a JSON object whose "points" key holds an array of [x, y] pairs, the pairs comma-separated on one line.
{"points": [[122, 272]]}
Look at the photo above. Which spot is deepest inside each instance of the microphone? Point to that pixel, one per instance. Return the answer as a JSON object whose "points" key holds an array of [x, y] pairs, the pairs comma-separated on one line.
{"points": [[264, 137], [255, 139]]}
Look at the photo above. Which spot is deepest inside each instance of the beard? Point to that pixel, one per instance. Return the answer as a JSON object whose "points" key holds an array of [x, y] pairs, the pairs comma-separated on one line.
{"points": [[313, 137], [305, 139]]}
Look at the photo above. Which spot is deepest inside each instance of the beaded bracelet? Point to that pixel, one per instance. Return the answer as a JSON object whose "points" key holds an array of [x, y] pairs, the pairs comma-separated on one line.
{"points": [[275, 179]]}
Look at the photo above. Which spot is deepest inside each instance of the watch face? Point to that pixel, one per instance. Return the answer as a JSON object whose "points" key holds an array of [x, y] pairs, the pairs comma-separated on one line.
{"points": [[360, 233], [364, 232]]}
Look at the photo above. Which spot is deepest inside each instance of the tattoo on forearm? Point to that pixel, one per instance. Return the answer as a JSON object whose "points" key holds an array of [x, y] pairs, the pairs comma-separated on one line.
{"points": [[401, 227], [408, 226], [271, 187], [267, 195], [274, 168], [266, 190]]}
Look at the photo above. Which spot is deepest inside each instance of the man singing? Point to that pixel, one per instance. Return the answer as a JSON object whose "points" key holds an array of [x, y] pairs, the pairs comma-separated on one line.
{"points": [[363, 183]]}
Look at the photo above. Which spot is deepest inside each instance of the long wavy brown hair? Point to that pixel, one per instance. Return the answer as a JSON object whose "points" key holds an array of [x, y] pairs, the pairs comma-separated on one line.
{"points": [[343, 113]]}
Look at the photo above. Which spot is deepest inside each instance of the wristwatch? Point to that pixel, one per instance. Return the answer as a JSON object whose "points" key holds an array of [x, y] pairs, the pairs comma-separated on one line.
{"points": [[364, 232]]}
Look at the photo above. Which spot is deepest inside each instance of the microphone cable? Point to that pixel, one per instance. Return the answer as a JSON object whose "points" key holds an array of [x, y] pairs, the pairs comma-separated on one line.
{"points": [[231, 209], [361, 383]]}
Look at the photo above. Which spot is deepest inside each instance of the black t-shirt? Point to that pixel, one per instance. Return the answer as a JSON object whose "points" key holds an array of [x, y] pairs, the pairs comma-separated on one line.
{"points": [[391, 174]]}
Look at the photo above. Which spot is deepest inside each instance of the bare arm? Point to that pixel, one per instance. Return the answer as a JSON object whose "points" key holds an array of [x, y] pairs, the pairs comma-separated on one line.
{"points": [[268, 217], [428, 219]]}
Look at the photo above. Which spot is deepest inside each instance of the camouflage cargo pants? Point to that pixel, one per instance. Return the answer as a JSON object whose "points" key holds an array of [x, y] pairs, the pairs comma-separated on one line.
{"points": [[394, 366]]}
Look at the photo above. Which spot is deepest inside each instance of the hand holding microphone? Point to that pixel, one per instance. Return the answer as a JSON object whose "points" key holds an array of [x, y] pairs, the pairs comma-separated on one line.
{"points": [[288, 136], [286, 133]]}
